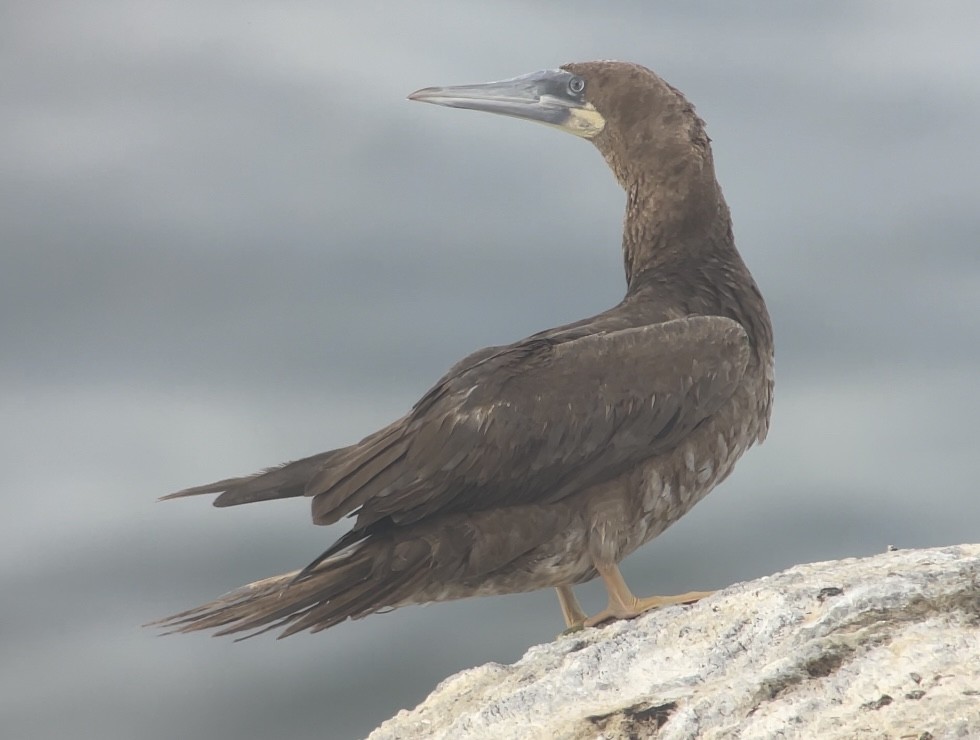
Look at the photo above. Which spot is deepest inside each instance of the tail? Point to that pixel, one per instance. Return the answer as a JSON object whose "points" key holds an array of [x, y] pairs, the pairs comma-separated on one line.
{"points": [[459, 555], [359, 581]]}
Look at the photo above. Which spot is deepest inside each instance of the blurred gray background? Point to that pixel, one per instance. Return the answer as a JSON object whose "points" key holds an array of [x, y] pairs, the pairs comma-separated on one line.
{"points": [[227, 240]]}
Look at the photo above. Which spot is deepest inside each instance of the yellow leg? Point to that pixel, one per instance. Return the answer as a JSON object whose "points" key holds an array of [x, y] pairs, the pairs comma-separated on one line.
{"points": [[624, 605], [570, 608]]}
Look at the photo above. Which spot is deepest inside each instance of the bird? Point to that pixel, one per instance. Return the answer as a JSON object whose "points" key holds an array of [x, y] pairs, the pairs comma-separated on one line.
{"points": [[543, 463]]}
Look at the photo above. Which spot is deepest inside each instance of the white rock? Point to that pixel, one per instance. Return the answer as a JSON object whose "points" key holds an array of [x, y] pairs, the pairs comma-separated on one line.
{"points": [[879, 647]]}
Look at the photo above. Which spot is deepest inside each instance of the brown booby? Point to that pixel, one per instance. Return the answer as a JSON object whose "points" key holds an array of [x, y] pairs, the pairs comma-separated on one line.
{"points": [[547, 461]]}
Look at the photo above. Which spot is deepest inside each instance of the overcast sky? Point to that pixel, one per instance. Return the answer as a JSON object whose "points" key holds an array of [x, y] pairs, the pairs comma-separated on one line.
{"points": [[227, 240]]}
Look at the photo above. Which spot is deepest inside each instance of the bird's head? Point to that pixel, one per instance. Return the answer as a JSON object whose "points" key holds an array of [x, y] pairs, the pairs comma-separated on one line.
{"points": [[633, 117]]}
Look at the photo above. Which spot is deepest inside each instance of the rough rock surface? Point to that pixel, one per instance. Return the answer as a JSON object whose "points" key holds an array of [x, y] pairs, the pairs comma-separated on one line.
{"points": [[879, 647]]}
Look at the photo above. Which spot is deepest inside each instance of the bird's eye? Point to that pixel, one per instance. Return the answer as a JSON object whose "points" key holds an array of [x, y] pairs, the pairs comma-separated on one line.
{"points": [[576, 85]]}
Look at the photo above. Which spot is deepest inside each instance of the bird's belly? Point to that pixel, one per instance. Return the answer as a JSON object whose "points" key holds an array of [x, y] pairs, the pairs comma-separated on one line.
{"points": [[562, 560]]}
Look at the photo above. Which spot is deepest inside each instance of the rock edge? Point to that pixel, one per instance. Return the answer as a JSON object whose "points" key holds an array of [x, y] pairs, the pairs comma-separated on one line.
{"points": [[884, 646]]}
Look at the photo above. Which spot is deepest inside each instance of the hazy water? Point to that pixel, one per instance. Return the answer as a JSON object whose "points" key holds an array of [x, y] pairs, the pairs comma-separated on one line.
{"points": [[227, 240]]}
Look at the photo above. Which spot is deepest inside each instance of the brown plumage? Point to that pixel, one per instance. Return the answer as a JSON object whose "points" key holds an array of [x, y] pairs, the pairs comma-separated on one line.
{"points": [[547, 461]]}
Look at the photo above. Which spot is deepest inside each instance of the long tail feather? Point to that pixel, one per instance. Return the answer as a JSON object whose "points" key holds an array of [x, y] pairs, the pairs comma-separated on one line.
{"points": [[350, 585], [285, 481]]}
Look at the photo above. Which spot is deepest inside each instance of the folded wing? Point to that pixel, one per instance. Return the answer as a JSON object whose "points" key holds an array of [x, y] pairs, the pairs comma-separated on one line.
{"points": [[537, 421]]}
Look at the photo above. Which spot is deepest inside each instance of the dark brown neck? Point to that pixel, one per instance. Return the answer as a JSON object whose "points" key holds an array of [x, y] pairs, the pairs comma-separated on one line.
{"points": [[675, 213], [681, 260]]}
